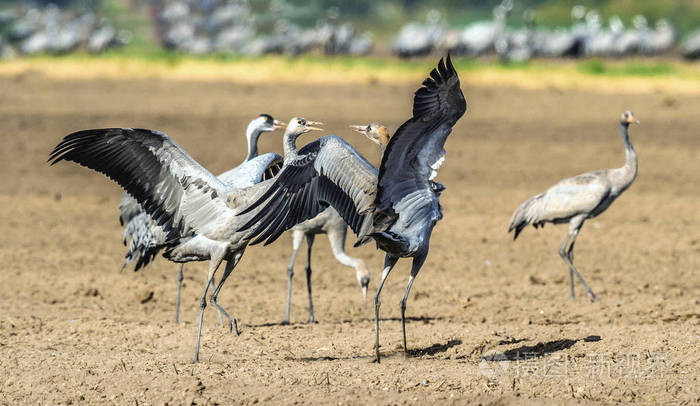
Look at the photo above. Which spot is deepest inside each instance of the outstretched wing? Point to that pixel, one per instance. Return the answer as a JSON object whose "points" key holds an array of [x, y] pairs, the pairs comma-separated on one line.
{"points": [[416, 149], [254, 171], [328, 172], [178, 193]]}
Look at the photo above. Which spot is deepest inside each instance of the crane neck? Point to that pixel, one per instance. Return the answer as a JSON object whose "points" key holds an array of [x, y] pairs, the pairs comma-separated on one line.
{"points": [[625, 175], [252, 135], [290, 145], [630, 153]]}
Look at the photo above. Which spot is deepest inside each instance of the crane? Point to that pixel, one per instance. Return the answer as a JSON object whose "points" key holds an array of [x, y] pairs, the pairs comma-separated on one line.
{"points": [[197, 211], [576, 199], [333, 225], [144, 238], [397, 206]]}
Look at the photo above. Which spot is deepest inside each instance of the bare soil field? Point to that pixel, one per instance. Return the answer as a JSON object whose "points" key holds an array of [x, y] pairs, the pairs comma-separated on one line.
{"points": [[491, 321]]}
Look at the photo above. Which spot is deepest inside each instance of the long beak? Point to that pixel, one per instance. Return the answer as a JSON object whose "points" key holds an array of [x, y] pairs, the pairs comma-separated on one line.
{"points": [[362, 129], [309, 128], [279, 125], [364, 292]]}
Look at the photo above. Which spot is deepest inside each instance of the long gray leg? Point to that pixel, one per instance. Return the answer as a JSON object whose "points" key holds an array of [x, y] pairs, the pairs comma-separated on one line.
{"points": [[389, 262], [297, 237], [212, 287], [310, 243], [230, 265], [179, 287], [180, 278], [213, 266], [567, 255], [563, 255], [417, 264], [570, 256]]}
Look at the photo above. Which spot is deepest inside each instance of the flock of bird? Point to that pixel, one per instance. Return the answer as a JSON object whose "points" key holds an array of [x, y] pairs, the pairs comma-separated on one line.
{"points": [[586, 37], [226, 26], [202, 27], [174, 204], [50, 29]]}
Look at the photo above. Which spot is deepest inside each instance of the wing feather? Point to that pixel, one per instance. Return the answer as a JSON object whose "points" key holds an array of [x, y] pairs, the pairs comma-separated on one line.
{"points": [[328, 171], [176, 192], [407, 164]]}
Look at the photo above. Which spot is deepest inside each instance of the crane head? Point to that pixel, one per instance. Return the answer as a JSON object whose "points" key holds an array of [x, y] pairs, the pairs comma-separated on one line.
{"points": [[375, 132], [363, 276], [627, 117], [300, 125], [266, 123]]}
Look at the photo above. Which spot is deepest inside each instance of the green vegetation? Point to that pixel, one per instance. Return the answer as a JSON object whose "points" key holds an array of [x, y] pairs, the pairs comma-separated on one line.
{"points": [[633, 68]]}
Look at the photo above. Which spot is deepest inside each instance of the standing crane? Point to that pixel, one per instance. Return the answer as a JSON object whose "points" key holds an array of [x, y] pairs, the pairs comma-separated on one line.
{"points": [[197, 211], [396, 207], [144, 238], [333, 225], [574, 200]]}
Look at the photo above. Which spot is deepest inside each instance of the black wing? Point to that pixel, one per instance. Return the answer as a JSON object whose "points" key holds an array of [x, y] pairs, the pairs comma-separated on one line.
{"points": [[175, 191], [417, 145], [328, 172]]}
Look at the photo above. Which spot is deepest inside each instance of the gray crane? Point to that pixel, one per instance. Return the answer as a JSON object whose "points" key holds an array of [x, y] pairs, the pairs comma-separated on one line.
{"points": [[144, 238], [574, 200], [333, 225], [417, 39], [397, 207], [197, 210]]}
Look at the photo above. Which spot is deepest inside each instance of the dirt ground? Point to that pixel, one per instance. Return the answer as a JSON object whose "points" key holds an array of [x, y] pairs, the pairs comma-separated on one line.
{"points": [[491, 321]]}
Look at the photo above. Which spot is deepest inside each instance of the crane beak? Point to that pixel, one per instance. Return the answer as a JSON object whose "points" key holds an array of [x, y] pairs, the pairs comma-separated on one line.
{"points": [[309, 128], [279, 125], [364, 292], [362, 129]]}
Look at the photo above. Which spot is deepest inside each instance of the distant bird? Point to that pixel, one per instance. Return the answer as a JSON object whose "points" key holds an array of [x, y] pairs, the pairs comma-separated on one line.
{"points": [[333, 225], [662, 39], [691, 45], [416, 39], [577, 199], [397, 207], [480, 38], [145, 238], [197, 210]]}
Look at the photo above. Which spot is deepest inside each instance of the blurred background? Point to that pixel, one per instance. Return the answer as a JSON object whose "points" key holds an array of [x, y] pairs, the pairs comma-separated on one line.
{"points": [[507, 30], [546, 82]]}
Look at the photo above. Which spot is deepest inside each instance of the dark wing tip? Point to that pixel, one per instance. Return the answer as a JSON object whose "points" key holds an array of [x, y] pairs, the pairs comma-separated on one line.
{"points": [[439, 90]]}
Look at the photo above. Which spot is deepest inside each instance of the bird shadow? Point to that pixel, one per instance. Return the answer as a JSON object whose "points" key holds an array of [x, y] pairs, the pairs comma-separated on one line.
{"points": [[526, 352], [424, 319], [436, 348]]}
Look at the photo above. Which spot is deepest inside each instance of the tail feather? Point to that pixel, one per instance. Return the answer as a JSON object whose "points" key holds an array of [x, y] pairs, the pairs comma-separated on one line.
{"points": [[144, 239], [526, 214]]}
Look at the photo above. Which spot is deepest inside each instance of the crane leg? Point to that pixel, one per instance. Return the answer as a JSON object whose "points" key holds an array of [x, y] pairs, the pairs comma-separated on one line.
{"points": [[296, 243], [230, 265], [417, 264], [179, 287], [213, 266], [389, 262], [310, 243], [563, 255], [570, 255], [567, 254], [213, 285]]}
